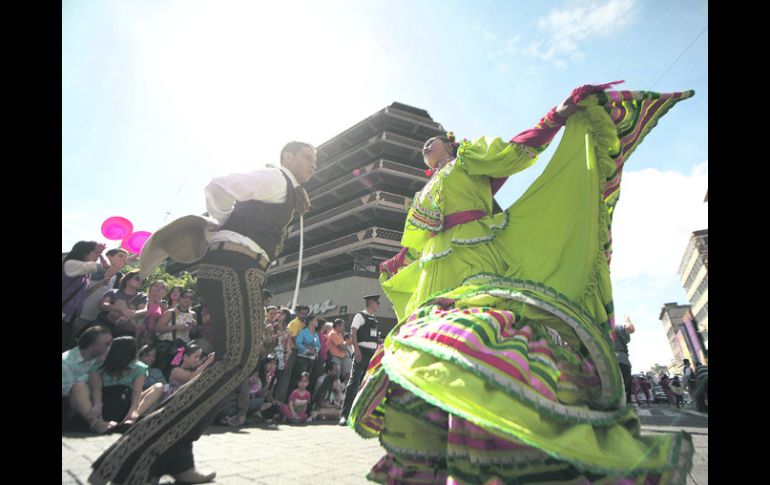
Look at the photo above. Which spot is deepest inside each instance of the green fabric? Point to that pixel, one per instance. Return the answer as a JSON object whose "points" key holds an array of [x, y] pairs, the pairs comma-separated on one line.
{"points": [[545, 260], [539, 307], [551, 234]]}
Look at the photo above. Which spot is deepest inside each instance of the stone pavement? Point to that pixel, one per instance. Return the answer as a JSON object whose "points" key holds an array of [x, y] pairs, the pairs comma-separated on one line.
{"points": [[321, 453]]}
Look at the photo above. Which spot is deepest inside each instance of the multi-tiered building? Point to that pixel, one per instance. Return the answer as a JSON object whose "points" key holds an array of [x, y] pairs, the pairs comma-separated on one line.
{"points": [[360, 194]]}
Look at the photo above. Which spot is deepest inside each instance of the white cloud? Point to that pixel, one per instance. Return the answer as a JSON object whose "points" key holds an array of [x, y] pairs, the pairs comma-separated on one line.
{"points": [[653, 220], [655, 216], [565, 29]]}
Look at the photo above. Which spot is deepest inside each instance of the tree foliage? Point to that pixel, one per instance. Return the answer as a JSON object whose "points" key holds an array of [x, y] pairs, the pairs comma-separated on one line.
{"points": [[185, 279]]}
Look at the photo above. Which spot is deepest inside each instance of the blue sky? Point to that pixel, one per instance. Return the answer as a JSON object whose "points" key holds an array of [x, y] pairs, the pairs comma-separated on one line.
{"points": [[159, 97]]}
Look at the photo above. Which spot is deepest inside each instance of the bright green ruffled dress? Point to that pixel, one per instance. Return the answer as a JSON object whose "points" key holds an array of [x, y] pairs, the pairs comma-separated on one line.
{"points": [[502, 369]]}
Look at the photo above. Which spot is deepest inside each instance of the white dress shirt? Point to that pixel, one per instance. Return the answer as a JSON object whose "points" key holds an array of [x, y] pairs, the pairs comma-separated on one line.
{"points": [[264, 184], [74, 267]]}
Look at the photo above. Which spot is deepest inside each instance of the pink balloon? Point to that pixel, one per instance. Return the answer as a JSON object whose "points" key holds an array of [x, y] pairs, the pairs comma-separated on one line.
{"points": [[116, 228], [135, 241]]}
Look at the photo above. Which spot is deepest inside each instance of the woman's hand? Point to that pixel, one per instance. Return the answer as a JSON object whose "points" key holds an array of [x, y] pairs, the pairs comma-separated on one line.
{"points": [[208, 361], [568, 107]]}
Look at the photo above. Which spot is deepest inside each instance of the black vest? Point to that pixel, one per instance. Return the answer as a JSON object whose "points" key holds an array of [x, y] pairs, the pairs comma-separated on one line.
{"points": [[265, 224], [368, 331]]}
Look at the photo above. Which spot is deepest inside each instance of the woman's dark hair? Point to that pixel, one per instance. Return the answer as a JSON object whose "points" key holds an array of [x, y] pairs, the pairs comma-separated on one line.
{"points": [[187, 292], [145, 350], [191, 349], [122, 352], [126, 278], [329, 364], [309, 318], [286, 315], [80, 250], [113, 252], [171, 290], [451, 145], [338, 321]]}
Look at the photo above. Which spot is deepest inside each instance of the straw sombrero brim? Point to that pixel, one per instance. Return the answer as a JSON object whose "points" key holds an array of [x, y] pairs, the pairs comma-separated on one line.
{"points": [[184, 240]]}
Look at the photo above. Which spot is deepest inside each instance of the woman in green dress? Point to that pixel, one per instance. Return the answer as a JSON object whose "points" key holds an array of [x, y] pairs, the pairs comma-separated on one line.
{"points": [[501, 369]]}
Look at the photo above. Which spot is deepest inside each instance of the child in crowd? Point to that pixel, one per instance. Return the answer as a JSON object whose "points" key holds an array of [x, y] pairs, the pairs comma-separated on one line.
{"points": [[147, 355], [296, 409], [186, 365]]}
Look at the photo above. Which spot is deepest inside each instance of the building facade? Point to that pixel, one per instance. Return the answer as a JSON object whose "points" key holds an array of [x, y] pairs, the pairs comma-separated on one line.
{"points": [[683, 338], [693, 273]]}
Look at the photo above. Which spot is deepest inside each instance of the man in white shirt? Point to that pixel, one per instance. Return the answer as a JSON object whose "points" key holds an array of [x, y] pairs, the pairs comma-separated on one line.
{"points": [[252, 213], [365, 333]]}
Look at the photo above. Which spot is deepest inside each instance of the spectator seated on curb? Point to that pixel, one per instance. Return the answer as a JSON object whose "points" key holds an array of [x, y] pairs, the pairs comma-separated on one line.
{"points": [[76, 362], [253, 400], [187, 364], [295, 411], [327, 396], [268, 406], [112, 394], [147, 355]]}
